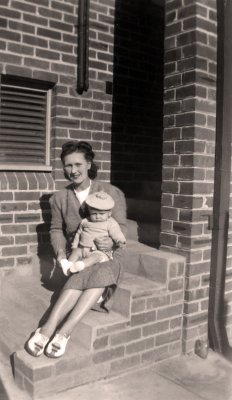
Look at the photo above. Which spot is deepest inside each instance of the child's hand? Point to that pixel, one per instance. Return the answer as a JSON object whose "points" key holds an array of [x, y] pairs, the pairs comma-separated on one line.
{"points": [[121, 245], [77, 266], [66, 265]]}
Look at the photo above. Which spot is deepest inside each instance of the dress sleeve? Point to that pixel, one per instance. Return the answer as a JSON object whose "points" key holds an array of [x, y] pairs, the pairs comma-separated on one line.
{"points": [[77, 236], [57, 229]]}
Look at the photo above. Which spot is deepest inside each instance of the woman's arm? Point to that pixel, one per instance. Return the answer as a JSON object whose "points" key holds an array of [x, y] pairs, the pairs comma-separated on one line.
{"points": [[76, 239], [75, 254], [58, 239]]}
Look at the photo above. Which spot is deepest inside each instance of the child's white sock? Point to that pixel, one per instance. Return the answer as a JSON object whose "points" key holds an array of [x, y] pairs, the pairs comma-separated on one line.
{"points": [[65, 265], [77, 266]]}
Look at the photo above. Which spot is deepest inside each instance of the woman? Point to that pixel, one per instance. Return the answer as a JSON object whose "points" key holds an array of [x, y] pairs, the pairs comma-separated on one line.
{"points": [[82, 290]]}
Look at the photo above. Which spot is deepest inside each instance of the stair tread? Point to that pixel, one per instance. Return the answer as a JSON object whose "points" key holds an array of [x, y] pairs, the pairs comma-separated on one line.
{"points": [[20, 324], [16, 325], [32, 288], [19, 329], [98, 319], [74, 351], [137, 283]]}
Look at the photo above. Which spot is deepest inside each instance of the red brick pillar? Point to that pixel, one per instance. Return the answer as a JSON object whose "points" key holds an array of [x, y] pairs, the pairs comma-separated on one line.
{"points": [[188, 150]]}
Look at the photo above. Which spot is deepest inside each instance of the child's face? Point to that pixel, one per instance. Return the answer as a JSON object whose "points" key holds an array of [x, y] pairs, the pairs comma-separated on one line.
{"points": [[98, 215]]}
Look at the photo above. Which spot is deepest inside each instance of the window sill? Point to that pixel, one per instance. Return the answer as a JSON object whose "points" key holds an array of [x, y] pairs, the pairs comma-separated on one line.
{"points": [[25, 167]]}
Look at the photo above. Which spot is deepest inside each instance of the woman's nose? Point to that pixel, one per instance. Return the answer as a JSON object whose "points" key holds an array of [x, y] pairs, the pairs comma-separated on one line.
{"points": [[74, 169]]}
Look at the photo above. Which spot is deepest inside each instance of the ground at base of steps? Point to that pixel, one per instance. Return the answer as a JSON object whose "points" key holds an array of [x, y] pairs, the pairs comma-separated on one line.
{"points": [[181, 378]]}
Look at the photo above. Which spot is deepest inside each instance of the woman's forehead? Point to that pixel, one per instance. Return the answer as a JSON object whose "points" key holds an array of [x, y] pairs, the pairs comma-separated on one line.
{"points": [[76, 157]]}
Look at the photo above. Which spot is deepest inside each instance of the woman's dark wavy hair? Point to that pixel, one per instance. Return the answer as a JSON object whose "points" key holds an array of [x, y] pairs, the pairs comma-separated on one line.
{"points": [[80, 147]]}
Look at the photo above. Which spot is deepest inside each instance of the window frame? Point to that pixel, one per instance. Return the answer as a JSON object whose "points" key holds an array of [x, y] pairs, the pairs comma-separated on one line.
{"points": [[21, 82]]}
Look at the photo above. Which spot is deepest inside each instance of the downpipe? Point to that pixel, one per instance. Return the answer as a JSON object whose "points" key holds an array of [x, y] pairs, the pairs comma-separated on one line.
{"points": [[83, 46], [218, 338]]}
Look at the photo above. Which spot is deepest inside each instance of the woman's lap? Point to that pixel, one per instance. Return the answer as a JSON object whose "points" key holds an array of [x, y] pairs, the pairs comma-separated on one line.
{"points": [[106, 274], [99, 275]]}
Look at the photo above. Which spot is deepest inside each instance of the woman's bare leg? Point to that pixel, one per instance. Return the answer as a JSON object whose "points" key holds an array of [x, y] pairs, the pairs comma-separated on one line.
{"points": [[65, 303], [85, 302]]}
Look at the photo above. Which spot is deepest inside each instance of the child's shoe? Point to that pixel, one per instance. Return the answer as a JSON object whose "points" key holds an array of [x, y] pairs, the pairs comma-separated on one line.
{"points": [[77, 266]]}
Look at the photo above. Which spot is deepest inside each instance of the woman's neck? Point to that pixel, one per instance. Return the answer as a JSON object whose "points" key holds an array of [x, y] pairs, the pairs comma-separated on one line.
{"points": [[82, 186]]}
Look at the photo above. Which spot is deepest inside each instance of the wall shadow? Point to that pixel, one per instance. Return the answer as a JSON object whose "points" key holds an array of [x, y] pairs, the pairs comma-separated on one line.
{"points": [[137, 88]]}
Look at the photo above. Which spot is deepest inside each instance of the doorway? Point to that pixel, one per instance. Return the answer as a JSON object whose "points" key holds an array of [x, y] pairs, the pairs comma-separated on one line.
{"points": [[137, 114]]}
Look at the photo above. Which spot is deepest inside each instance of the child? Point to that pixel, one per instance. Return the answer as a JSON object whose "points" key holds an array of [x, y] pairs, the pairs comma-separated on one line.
{"points": [[99, 223]]}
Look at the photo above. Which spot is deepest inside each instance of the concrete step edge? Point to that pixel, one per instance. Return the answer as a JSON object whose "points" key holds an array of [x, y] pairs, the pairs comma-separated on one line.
{"points": [[9, 390], [59, 374]]}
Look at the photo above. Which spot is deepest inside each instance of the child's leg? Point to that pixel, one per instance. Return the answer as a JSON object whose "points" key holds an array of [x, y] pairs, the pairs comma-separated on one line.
{"points": [[75, 255], [94, 258]]}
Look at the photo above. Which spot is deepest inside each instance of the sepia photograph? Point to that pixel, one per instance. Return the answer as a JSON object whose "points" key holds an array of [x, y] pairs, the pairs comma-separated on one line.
{"points": [[115, 200]]}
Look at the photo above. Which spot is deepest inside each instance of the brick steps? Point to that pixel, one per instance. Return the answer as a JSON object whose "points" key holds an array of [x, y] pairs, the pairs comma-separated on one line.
{"points": [[98, 339], [8, 389], [25, 301], [117, 344], [143, 327]]}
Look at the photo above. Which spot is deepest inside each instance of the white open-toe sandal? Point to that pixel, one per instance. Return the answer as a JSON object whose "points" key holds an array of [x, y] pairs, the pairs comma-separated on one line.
{"points": [[36, 344], [57, 346]]}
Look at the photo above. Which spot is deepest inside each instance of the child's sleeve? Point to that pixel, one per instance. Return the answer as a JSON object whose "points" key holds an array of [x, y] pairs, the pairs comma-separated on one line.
{"points": [[115, 232]]}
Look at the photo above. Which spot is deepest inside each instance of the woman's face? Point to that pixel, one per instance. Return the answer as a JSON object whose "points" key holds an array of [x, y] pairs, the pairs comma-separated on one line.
{"points": [[76, 167]]}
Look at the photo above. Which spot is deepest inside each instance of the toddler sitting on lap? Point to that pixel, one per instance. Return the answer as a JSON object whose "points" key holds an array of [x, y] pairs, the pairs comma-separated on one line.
{"points": [[98, 224]]}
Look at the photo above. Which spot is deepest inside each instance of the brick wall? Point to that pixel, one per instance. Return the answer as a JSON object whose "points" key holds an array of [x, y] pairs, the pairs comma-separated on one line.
{"points": [[188, 150], [39, 40], [24, 215]]}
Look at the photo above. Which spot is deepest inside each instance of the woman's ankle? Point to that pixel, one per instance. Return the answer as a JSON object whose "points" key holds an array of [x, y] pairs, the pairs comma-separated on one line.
{"points": [[64, 332], [46, 331]]}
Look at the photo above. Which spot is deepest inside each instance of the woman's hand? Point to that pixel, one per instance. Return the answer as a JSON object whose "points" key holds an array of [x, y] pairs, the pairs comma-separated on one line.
{"points": [[60, 255], [104, 244], [65, 265]]}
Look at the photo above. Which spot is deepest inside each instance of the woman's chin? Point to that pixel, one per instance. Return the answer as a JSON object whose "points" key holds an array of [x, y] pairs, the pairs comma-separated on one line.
{"points": [[76, 182], [80, 181]]}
